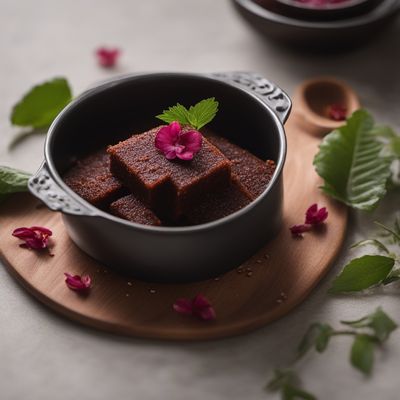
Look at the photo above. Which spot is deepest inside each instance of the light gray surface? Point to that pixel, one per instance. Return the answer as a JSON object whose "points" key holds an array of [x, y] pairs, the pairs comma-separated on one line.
{"points": [[43, 356]]}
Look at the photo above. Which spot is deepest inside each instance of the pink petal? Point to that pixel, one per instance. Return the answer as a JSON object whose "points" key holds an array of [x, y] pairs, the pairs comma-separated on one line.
{"points": [[207, 314], [315, 216], [199, 307], [78, 283], [298, 230], [172, 142], [22, 233], [311, 210], [170, 155], [42, 229], [35, 243], [87, 281], [35, 237], [175, 128], [192, 141], [187, 155], [107, 57], [201, 301], [337, 112], [183, 306], [167, 137]]}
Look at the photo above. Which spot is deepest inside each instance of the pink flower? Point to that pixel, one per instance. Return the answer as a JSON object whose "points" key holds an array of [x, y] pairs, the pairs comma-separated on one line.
{"points": [[199, 307], [315, 216], [35, 237], [173, 142], [337, 112], [298, 230], [77, 282], [107, 57]]}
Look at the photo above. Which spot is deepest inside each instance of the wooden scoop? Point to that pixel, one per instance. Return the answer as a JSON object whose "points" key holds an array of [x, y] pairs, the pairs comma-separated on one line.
{"points": [[314, 97]]}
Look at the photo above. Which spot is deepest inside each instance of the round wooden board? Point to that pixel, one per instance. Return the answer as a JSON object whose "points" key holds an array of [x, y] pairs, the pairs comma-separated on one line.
{"points": [[266, 287]]}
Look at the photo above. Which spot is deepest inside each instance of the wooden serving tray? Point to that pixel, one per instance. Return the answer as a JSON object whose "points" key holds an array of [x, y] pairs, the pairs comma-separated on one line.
{"points": [[278, 278]]}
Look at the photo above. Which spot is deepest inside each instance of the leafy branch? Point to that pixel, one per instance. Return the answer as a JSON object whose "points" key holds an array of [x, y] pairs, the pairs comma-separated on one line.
{"points": [[368, 334]]}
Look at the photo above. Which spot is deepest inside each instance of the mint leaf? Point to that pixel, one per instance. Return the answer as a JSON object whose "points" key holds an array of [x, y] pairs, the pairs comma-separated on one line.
{"points": [[41, 104], [362, 273], [203, 112], [175, 113], [317, 336], [286, 381], [197, 116], [362, 353], [351, 163], [379, 322], [12, 181]]}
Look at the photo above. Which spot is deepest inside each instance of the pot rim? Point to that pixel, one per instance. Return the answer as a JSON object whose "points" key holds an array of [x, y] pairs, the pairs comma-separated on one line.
{"points": [[386, 9], [96, 212]]}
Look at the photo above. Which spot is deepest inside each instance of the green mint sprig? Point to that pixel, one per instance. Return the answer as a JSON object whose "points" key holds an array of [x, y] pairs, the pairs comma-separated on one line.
{"points": [[361, 177], [12, 181], [39, 107], [197, 116], [369, 332]]}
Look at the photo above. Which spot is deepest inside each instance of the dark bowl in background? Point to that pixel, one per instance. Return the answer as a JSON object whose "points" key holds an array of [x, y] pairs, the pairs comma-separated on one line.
{"points": [[251, 114], [322, 36], [296, 9]]}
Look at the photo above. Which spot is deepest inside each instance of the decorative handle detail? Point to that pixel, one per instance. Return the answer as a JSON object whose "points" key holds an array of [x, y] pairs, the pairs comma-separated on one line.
{"points": [[44, 188], [267, 91]]}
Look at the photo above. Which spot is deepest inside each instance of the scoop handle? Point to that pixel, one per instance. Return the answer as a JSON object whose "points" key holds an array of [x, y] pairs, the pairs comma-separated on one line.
{"points": [[267, 91], [43, 186]]}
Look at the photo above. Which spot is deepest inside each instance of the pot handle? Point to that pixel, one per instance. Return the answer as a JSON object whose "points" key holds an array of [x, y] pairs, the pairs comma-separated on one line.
{"points": [[42, 186], [266, 90]]}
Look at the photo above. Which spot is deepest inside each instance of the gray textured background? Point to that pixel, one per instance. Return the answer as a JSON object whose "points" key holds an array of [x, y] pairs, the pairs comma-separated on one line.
{"points": [[45, 357]]}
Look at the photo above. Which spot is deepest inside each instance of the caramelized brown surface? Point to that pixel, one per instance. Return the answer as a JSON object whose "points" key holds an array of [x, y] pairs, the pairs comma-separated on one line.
{"points": [[91, 179], [248, 171], [132, 209], [168, 187]]}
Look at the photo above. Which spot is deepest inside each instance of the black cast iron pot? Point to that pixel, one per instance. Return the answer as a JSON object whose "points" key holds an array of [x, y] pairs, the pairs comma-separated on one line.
{"points": [[252, 113]]}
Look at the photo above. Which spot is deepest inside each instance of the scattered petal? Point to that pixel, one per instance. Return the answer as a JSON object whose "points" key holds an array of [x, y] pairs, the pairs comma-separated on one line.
{"points": [[77, 282], [107, 57], [199, 307], [298, 230], [315, 216], [183, 306], [35, 237], [337, 112], [173, 142]]}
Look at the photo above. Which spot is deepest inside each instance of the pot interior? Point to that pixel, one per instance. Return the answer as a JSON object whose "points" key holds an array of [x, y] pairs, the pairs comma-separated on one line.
{"points": [[126, 106]]}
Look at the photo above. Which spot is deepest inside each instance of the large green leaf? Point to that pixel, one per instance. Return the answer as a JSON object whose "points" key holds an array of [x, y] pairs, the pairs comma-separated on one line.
{"points": [[362, 273], [13, 180], [351, 162], [39, 107]]}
